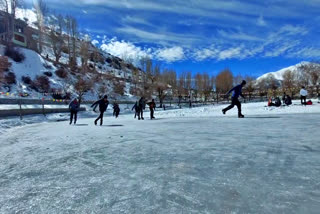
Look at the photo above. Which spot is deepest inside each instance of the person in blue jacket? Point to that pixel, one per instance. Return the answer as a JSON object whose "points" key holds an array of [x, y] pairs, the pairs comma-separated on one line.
{"points": [[237, 91], [74, 108], [103, 105]]}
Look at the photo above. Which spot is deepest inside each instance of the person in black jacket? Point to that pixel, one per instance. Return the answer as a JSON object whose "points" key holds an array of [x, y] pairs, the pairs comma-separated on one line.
{"points": [[74, 108], [137, 110], [116, 110], [142, 106], [103, 105], [152, 107]]}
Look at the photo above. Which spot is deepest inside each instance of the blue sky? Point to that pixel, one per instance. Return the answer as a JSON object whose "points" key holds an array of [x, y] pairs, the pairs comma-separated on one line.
{"points": [[248, 36]]}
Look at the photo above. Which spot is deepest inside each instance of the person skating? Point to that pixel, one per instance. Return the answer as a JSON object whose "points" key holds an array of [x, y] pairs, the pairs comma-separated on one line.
{"points": [[152, 107], [303, 94], [116, 110], [103, 105], [237, 91], [142, 106], [74, 108], [136, 109]]}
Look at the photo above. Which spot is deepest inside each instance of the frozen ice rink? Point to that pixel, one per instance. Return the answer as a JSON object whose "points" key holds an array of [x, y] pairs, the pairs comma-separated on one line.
{"points": [[260, 164]]}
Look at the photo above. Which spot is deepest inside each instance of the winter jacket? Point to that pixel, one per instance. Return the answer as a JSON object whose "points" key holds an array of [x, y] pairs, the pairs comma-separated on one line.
{"points": [[303, 92], [142, 104], [74, 106], [136, 107], [116, 107], [102, 105], [237, 91], [152, 105]]}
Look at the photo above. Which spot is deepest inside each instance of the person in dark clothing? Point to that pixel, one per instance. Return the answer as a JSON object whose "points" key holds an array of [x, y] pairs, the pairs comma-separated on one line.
{"points": [[152, 107], [276, 103], [137, 110], [288, 100], [103, 105], [142, 106], [116, 110], [237, 91], [74, 108]]}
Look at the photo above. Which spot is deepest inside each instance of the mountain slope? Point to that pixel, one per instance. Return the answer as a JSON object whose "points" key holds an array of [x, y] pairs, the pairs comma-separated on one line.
{"points": [[279, 74]]}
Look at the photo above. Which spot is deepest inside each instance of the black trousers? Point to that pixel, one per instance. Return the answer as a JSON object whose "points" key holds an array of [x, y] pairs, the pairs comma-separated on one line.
{"points": [[234, 102], [303, 100], [73, 115], [140, 114], [152, 113], [100, 118]]}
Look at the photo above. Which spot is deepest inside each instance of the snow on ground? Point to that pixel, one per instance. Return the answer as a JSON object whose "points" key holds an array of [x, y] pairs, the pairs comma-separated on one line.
{"points": [[268, 162]]}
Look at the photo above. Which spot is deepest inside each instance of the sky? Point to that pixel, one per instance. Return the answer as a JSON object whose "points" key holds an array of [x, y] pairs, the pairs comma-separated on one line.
{"points": [[250, 37]]}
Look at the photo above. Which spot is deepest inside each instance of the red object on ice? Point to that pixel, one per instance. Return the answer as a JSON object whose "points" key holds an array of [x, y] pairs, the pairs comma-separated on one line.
{"points": [[309, 103]]}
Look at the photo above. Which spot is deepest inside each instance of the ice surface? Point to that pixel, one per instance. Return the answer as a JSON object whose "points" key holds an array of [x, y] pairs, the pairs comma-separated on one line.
{"points": [[179, 163]]}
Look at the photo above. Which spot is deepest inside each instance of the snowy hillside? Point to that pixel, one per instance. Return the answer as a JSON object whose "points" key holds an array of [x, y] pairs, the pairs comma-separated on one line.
{"points": [[278, 74]]}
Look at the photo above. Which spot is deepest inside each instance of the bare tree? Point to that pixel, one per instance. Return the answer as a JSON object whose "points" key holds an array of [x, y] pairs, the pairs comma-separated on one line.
{"points": [[289, 83], [81, 87], [272, 84], [250, 86], [41, 11], [224, 81], [56, 37]]}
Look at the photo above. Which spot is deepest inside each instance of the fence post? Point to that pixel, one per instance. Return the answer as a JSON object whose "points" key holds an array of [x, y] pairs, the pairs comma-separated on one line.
{"points": [[20, 109], [43, 107]]}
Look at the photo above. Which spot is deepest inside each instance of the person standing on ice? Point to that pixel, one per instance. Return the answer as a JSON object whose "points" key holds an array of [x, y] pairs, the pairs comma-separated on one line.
{"points": [[237, 91], [303, 94], [136, 109], [103, 105], [74, 108], [142, 106], [152, 107], [116, 109]]}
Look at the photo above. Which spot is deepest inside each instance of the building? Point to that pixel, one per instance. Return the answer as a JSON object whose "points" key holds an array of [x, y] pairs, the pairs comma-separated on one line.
{"points": [[19, 28]]}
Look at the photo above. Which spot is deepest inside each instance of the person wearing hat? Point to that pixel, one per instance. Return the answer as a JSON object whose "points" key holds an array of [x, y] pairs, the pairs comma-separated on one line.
{"points": [[74, 108], [237, 91], [103, 105]]}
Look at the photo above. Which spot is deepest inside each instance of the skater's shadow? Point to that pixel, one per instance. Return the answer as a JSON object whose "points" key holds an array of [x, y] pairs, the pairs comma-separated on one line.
{"points": [[81, 124], [265, 117], [112, 125]]}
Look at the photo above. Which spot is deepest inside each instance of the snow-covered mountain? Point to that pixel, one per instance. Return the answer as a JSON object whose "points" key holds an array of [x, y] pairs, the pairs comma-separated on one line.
{"points": [[279, 74]]}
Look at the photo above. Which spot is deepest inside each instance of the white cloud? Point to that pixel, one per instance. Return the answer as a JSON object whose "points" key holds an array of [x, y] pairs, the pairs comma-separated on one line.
{"points": [[261, 21], [170, 54], [95, 42], [230, 53], [124, 50], [85, 12]]}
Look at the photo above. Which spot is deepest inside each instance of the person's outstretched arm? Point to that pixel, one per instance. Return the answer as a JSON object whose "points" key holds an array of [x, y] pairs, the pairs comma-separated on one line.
{"points": [[231, 90]]}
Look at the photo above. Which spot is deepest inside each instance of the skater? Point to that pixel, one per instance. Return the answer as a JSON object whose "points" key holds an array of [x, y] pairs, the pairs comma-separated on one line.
{"points": [[237, 91], [303, 94], [152, 107], [74, 108], [103, 105], [142, 106], [116, 110], [136, 109]]}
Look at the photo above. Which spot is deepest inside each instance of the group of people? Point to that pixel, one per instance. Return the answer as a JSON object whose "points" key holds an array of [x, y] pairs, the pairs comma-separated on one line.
{"points": [[140, 105], [103, 104]]}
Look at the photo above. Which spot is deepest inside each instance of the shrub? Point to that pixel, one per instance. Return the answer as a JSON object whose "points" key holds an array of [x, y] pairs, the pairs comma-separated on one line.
{"points": [[4, 64], [14, 54], [62, 73], [41, 83], [48, 73], [10, 78], [26, 80]]}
